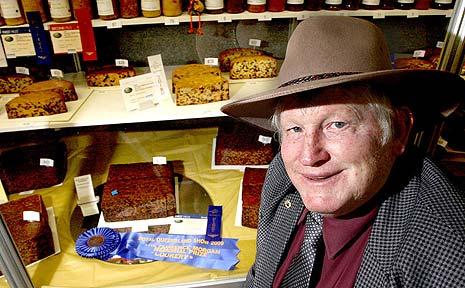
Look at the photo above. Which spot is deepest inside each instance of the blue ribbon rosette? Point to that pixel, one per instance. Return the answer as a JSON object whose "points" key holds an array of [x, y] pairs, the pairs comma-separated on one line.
{"points": [[98, 243]]}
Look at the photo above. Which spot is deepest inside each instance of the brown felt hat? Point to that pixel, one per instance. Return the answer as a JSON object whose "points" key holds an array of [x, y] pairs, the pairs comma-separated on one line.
{"points": [[331, 50]]}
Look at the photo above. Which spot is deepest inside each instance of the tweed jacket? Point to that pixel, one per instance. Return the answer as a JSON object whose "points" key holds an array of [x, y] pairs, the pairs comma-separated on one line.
{"points": [[417, 239]]}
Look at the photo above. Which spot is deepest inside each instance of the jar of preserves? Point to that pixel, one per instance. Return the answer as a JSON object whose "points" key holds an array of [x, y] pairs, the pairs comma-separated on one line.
{"points": [[276, 5], [256, 6], [333, 4], [12, 12], [107, 9], [443, 4], [60, 10], [235, 6], [171, 7], [35, 5], [370, 4], [314, 5], [387, 4], [405, 4], [423, 4], [295, 5], [129, 8], [150, 8], [214, 6], [351, 4]]}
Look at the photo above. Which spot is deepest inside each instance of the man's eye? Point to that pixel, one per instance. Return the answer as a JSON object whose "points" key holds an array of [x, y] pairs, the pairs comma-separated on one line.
{"points": [[294, 129], [338, 124]]}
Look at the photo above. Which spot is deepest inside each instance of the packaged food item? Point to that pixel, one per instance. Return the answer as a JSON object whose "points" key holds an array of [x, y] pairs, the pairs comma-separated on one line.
{"points": [[276, 5], [129, 8], [60, 10], [235, 6], [371, 4], [171, 7], [107, 9], [214, 6], [295, 5], [443, 4], [150, 8], [314, 5], [256, 6], [351, 4], [404, 4], [387, 4], [12, 12], [333, 4], [35, 5]]}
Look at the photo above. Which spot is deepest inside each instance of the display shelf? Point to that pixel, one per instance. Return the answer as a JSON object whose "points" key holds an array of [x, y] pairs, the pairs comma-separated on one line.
{"points": [[105, 106], [265, 16]]}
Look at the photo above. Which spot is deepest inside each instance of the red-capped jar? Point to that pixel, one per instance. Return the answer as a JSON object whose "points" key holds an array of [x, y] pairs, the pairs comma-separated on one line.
{"points": [[256, 6], [235, 6], [276, 5]]}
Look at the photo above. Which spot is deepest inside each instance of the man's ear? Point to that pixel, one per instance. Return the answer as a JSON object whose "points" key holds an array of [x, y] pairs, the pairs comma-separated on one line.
{"points": [[403, 123]]}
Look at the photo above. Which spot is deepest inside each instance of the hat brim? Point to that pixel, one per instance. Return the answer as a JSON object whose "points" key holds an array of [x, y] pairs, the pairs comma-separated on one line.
{"points": [[428, 93]]}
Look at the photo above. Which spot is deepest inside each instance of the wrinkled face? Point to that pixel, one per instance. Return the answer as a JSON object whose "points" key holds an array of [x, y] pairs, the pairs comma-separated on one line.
{"points": [[333, 153]]}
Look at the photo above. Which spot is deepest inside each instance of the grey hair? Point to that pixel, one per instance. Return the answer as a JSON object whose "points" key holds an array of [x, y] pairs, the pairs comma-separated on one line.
{"points": [[377, 100]]}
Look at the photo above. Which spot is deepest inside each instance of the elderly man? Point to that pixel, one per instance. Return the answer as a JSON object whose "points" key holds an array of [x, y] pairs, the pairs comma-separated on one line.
{"points": [[346, 203]]}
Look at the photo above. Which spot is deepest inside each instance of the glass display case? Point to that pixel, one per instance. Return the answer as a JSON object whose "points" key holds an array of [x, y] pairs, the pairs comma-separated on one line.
{"points": [[98, 130]]}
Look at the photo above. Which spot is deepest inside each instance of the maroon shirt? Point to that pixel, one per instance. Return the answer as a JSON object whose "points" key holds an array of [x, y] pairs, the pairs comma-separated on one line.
{"points": [[345, 241]]}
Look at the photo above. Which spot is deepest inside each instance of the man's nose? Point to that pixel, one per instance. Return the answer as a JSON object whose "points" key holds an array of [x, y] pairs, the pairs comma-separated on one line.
{"points": [[313, 151]]}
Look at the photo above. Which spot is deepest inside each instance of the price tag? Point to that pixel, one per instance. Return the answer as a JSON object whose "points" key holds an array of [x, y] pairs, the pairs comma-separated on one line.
{"points": [[66, 38], [303, 16], [159, 160], [343, 13], [89, 209], [22, 70], [31, 216], [115, 24], [264, 139], [156, 67], [84, 189], [265, 17], [121, 62], [140, 92], [412, 14], [255, 42], [440, 44], [171, 21], [139, 227], [3, 197], [379, 15], [224, 18], [419, 53], [211, 61], [46, 162], [56, 73]]}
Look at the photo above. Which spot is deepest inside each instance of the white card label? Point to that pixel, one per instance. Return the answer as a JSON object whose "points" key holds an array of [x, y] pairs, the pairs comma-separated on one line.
{"points": [[84, 188], [56, 73], [159, 160], [264, 139], [171, 21], [17, 42], [121, 62], [89, 209], [440, 44], [255, 42], [3, 197], [3, 62], [46, 162], [22, 70], [140, 92], [211, 61], [419, 53], [31, 216], [66, 38], [114, 24], [156, 67]]}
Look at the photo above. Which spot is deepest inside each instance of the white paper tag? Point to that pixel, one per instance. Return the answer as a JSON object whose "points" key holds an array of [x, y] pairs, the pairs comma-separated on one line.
{"points": [[156, 67], [66, 38], [440, 44], [89, 209], [442, 142], [3, 62], [84, 188], [28, 192], [419, 53], [264, 139], [31, 216], [3, 197], [46, 162], [22, 70], [255, 42], [56, 73], [114, 24], [18, 43], [184, 224], [137, 227], [264, 17], [159, 160], [211, 61], [171, 21], [223, 18], [121, 62], [140, 92]]}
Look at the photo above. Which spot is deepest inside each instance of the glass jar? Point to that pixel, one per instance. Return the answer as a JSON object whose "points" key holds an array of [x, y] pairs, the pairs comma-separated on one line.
{"points": [[295, 5], [387, 4], [314, 5], [256, 6], [214, 6], [129, 8], [107, 9], [333, 4], [370, 4], [35, 5], [150, 8], [351, 4], [60, 10], [276, 5], [443, 4], [235, 6], [404, 4], [171, 7], [12, 12], [423, 4]]}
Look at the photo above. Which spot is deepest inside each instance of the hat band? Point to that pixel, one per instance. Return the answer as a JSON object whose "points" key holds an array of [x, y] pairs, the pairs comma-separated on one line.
{"points": [[315, 77]]}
